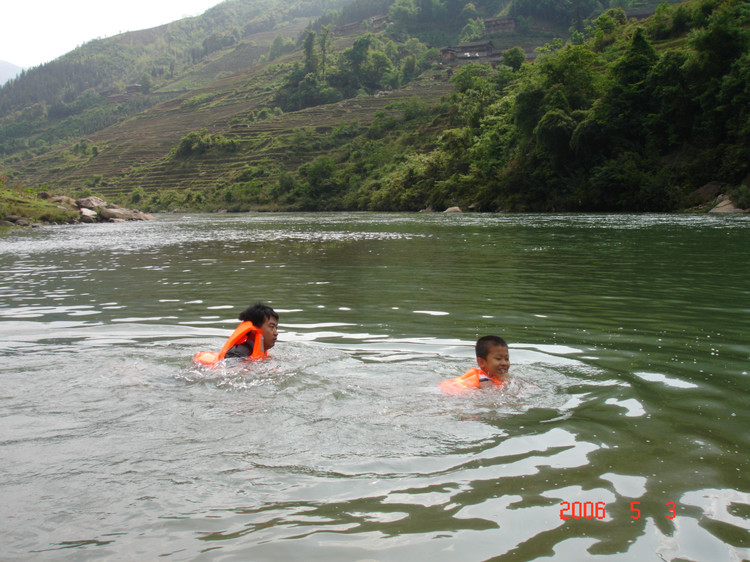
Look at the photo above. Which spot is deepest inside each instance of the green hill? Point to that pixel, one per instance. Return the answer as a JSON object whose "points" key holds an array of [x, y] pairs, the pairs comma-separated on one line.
{"points": [[360, 110], [107, 80]]}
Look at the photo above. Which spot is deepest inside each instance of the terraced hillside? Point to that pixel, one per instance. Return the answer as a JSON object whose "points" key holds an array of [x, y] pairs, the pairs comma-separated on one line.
{"points": [[269, 141], [136, 153]]}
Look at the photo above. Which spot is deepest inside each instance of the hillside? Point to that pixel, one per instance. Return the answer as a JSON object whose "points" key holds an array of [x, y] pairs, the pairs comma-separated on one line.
{"points": [[107, 80], [359, 112], [134, 152]]}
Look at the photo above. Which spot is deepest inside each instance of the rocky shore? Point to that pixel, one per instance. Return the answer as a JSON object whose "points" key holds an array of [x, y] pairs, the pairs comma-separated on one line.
{"points": [[725, 205], [85, 210], [94, 209]]}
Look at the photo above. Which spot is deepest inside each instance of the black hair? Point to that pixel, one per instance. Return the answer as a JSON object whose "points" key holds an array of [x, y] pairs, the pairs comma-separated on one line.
{"points": [[258, 314], [485, 342]]}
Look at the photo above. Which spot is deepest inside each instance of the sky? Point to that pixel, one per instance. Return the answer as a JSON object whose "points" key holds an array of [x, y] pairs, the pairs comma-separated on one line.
{"points": [[38, 31]]}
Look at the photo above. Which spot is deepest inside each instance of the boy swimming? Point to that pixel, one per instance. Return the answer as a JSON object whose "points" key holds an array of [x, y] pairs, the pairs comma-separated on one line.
{"points": [[265, 321], [252, 339], [494, 362]]}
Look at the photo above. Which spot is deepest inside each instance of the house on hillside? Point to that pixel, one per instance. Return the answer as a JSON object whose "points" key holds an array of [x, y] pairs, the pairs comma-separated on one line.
{"points": [[639, 13], [376, 22], [468, 52], [504, 24]]}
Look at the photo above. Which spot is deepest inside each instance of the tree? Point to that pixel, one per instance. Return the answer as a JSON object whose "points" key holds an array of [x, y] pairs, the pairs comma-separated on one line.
{"points": [[310, 60], [553, 134], [724, 39], [675, 107], [409, 67], [573, 68], [631, 69], [324, 42], [145, 82], [403, 12], [279, 46], [319, 175], [474, 29], [514, 58], [357, 54]]}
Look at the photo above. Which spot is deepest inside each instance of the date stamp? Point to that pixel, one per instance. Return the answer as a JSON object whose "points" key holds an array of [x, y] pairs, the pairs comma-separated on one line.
{"points": [[598, 510]]}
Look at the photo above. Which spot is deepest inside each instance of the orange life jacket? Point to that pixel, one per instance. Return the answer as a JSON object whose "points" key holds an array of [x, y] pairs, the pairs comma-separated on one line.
{"points": [[470, 380], [240, 335]]}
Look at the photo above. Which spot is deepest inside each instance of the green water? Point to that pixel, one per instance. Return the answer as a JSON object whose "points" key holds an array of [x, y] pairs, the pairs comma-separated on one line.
{"points": [[622, 435]]}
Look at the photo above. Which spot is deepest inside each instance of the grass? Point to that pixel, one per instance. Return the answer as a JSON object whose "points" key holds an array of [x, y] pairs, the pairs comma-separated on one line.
{"points": [[33, 209]]}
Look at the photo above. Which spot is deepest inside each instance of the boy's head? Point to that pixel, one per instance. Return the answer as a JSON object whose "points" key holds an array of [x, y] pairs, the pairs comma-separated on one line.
{"points": [[492, 356], [265, 319]]}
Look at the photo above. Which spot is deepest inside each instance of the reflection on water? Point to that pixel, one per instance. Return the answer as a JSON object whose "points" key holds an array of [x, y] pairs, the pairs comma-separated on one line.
{"points": [[623, 434]]}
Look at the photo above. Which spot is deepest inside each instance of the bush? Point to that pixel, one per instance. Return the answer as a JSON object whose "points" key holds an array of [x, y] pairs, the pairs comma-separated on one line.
{"points": [[200, 142], [198, 100], [741, 196], [137, 195]]}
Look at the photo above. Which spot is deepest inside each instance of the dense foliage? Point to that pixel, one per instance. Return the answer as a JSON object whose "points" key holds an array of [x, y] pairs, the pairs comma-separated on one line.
{"points": [[371, 64], [586, 127]]}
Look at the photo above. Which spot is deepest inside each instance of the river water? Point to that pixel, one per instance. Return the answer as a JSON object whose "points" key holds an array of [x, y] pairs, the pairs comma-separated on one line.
{"points": [[623, 434]]}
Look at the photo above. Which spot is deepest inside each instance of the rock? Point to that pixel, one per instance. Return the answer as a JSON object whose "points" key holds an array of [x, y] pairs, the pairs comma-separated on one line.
{"points": [[113, 213], [91, 203], [709, 191], [139, 215], [453, 210], [427, 209], [91, 210], [69, 201], [88, 216], [725, 205], [119, 214], [43, 195]]}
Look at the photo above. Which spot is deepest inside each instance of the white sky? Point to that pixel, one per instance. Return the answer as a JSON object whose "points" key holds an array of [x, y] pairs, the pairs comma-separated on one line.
{"points": [[33, 32]]}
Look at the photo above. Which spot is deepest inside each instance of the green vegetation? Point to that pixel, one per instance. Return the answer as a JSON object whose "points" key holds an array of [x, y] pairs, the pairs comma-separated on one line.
{"points": [[27, 204], [200, 142], [625, 116], [371, 64], [106, 81]]}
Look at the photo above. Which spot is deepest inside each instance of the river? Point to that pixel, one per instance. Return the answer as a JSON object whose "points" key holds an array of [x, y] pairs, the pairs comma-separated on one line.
{"points": [[622, 435]]}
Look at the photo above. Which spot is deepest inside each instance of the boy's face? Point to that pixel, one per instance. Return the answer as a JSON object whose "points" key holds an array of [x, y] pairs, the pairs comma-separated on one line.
{"points": [[270, 331], [497, 362]]}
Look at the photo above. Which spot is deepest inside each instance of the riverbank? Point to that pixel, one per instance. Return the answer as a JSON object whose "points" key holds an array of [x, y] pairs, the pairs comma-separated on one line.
{"points": [[22, 209], [19, 208]]}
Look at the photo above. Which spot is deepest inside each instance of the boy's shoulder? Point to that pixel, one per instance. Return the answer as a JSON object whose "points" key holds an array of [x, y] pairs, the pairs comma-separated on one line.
{"points": [[470, 379]]}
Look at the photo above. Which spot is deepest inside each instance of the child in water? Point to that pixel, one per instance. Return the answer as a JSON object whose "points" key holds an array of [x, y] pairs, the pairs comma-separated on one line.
{"points": [[266, 320], [493, 361], [252, 339]]}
